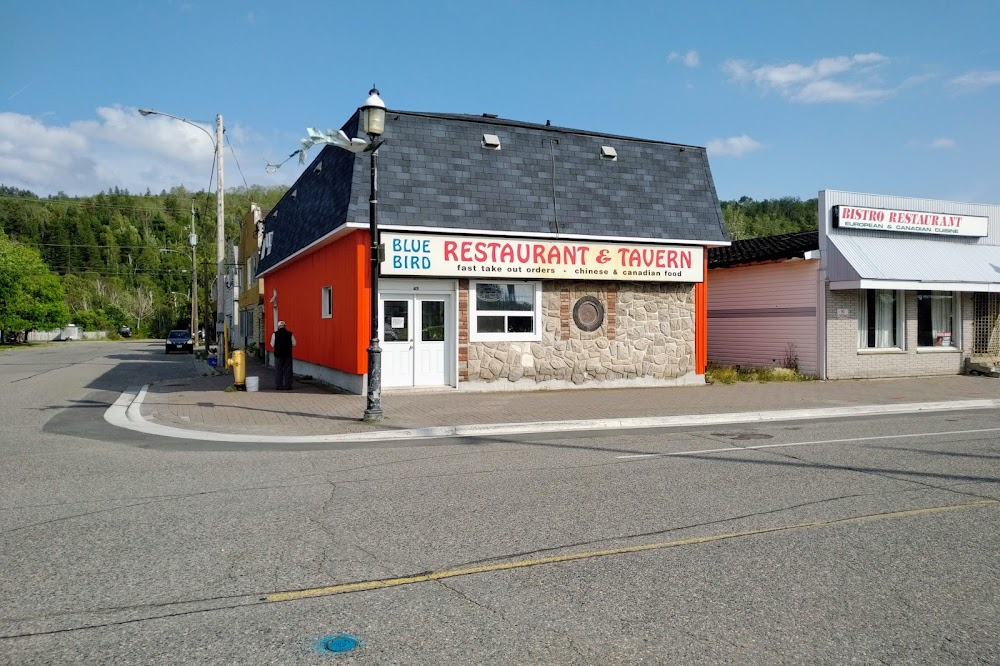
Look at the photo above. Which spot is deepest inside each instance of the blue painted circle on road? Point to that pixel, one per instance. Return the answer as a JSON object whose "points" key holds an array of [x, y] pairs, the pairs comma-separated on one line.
{"points": [[339, 643]]}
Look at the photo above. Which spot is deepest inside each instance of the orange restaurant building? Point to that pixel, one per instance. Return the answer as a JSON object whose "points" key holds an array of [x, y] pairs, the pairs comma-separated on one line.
{"points": [[516, 256]]}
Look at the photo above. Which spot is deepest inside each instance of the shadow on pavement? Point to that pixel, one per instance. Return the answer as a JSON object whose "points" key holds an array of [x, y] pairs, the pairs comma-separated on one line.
{"points": [[74, 404]]}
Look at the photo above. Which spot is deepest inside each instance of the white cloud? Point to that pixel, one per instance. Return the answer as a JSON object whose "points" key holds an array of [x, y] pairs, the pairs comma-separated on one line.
{"points": [[734, 146], [690, 59], [940, 143], [836, 79], [120, 148], [976, 80]]}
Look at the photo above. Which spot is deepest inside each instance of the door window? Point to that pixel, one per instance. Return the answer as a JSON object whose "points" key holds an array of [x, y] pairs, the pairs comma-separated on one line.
{"points": [[396, 321], [432, 321]]}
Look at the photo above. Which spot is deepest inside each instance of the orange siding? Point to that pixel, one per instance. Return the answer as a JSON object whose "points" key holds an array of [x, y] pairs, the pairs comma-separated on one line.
{"points": [[701, 322], [339, 342]]}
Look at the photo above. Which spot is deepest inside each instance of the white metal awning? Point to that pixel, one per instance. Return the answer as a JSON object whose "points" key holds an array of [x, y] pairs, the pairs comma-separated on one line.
{"points": [[898, 262]]}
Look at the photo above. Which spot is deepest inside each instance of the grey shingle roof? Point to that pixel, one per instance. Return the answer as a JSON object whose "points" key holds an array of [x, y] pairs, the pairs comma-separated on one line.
{"points": [[768, 248], [434, 172]]}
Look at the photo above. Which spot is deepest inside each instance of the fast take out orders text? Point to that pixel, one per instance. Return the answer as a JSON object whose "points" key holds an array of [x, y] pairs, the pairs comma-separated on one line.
{"points": [[880, 219], [478, 257]]}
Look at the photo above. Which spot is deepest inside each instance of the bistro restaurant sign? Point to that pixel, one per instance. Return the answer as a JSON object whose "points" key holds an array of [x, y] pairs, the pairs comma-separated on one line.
{"points": [[880, 219], [478, 257]]}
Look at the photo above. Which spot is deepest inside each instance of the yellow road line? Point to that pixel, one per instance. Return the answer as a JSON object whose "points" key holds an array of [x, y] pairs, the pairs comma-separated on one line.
{"points": [[519, 564]]}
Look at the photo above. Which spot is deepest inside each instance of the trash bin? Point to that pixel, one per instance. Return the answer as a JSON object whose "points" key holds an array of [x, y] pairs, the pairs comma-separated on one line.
{"points": [[253, 384]]}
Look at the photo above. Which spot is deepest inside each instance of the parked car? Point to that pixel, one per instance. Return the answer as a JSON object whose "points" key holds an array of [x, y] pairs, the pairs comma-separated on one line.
{"points": [[180, 341], [125, 332]]}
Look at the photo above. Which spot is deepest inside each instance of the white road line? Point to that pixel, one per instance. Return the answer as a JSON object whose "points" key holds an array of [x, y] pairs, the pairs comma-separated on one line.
{"points": [[817, 441], [126, 413]]}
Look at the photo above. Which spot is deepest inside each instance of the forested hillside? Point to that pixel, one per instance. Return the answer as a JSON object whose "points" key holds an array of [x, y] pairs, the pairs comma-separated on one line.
{"points": [[746, 218], [118, 258]]}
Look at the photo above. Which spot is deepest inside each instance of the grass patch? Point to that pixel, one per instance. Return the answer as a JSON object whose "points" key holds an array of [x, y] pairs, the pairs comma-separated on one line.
{"points": [[14, 346], [726, 374]]}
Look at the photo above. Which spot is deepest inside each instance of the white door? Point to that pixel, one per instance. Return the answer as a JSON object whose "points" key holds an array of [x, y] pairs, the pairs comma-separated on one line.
{"points": [[430, 342], [397, 340], [416, 339]]}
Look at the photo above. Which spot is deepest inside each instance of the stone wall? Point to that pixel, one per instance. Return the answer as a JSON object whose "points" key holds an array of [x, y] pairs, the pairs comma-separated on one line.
{"points": [[647, 334]]}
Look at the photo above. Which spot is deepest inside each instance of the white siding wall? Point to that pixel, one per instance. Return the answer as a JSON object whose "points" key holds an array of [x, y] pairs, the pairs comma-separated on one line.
{"points": [[756, 312]]}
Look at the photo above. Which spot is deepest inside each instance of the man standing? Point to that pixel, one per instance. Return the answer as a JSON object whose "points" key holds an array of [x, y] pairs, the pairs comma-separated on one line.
{"points": [[282, 342]]}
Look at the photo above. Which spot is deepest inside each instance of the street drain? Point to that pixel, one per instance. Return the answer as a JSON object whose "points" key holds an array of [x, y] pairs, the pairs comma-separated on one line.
{"points": [[338, 643]]}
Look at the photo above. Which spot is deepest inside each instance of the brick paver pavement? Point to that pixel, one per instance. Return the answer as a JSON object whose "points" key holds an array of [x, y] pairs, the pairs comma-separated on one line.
{"points": [[202, 403]]}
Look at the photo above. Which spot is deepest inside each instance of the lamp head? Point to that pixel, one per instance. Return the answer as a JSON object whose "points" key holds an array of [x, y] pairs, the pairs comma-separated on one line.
{"points": [[146, 112], [373, 114]]}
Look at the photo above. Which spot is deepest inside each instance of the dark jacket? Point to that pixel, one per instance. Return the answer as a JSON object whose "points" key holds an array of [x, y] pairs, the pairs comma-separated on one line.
{"points": [[283, 343]]}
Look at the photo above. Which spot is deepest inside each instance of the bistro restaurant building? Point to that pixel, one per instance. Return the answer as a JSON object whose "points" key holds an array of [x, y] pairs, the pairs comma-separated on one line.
{"points": [[888, 286]]}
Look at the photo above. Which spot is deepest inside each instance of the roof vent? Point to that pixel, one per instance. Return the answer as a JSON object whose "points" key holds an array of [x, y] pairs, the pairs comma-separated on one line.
{"points": [[609, 153], [489, 115], [491, 142], [318, 167], [295, 193]]}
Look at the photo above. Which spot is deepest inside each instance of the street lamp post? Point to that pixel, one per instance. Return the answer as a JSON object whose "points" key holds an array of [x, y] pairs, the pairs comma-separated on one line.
{"points": [[373, 119], [373, 123], [220, 221]]}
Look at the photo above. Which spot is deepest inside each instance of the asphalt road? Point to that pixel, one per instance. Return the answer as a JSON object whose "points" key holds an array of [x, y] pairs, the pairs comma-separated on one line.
{"points": [[861, 541]]}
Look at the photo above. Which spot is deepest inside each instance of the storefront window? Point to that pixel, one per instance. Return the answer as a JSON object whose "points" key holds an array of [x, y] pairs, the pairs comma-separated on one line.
{"points": [[936, 317], [504, 311], [880, 319]]}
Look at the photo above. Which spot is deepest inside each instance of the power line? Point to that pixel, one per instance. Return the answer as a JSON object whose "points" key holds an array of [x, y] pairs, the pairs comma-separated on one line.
{"points": [[235, 158], [87, 203], [90, 204], [89, 245], [68, 270]]}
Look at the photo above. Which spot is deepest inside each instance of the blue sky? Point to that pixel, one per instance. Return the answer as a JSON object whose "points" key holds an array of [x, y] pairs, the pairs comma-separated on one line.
{"points": [[888, 97]]}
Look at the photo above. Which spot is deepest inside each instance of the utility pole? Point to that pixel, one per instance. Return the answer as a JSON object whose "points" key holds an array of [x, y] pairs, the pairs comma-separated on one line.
{"points": [[220, 222], [207, 309], [220, 229], [193, 241]]}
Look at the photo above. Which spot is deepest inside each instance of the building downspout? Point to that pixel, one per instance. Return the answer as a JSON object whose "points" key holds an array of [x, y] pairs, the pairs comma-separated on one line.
{"points": [[821, 324]]}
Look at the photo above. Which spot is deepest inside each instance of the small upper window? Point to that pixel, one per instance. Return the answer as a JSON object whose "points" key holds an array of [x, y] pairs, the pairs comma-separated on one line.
{"points": [[327, 302]]}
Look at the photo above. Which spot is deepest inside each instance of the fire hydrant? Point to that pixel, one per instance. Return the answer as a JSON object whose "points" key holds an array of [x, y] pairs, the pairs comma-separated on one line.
{"points": [[238, 363]]}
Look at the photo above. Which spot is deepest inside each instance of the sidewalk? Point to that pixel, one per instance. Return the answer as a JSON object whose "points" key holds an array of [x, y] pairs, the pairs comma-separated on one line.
{"points": [[311, 409]]}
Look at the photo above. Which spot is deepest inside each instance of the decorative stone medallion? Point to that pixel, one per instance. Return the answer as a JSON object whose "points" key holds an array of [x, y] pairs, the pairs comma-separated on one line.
{"points": [[588, 313]]}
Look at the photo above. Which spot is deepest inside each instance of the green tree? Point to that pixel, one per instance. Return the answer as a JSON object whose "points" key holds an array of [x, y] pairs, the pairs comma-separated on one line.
{"points": [[30, 295], [746, 218]]}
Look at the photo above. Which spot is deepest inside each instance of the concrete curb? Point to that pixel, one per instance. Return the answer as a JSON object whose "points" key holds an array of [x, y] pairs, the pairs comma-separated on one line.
{"points": [[126, 413]]}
